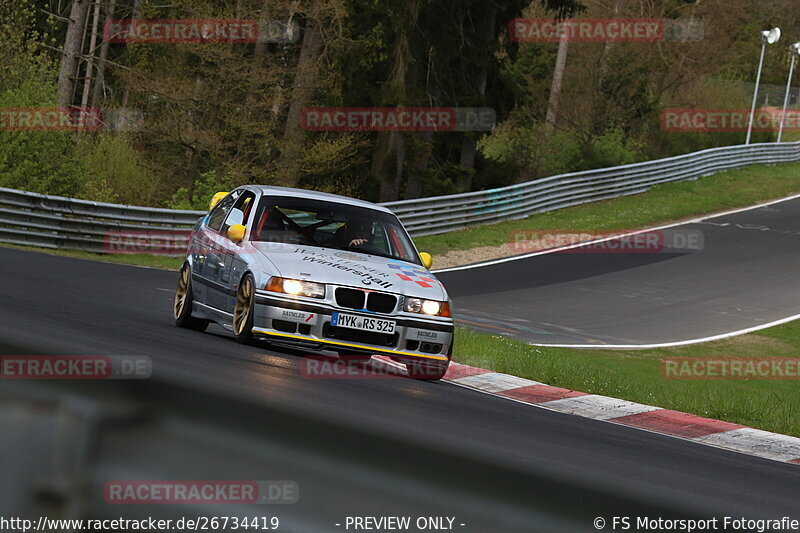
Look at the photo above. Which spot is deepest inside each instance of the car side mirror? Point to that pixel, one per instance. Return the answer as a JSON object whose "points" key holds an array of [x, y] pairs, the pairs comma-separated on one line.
{"points": [[216, 198], [236, 233], [427, 260]]}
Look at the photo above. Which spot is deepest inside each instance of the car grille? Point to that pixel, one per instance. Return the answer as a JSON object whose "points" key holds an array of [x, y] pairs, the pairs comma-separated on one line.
{"points": [[376, 302], [354, 335], [381, 303], [352, 298]]}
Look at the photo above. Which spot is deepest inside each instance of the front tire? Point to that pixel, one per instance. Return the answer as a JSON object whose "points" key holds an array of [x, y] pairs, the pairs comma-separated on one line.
{"points": [[243, 312], [182, 305]]}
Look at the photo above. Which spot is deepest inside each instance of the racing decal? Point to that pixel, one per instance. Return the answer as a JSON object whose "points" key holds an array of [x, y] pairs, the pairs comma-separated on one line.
{"points": [[293, 315], [424, 335], [418, 275], [369, 275], [351, 257]]}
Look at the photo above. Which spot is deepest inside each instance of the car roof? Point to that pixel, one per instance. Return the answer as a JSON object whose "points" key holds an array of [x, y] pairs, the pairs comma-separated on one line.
{"points": [[272, 190]]}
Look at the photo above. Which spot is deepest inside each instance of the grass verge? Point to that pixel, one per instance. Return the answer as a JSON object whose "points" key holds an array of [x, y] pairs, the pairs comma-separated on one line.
{"points": [[662, 204], [636, 375]]}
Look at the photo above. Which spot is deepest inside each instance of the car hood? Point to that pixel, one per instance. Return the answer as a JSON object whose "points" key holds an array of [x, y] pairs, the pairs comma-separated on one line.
{"points": [[339, 267]]}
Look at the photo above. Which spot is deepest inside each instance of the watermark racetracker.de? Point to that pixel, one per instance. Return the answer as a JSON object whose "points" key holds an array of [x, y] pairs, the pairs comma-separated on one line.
{"points": [[201, 492], [596, 30], [75, 367], [678, 241], [163, 242], [703, 120], [177, 242], [731, 368], [50, 119], [70, 119], [436, 119], [352, 367], [200, 31]]}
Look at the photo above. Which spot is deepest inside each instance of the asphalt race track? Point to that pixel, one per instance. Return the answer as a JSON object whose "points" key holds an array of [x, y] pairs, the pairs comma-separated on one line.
{"points": [[64, 305], [746, 275]]}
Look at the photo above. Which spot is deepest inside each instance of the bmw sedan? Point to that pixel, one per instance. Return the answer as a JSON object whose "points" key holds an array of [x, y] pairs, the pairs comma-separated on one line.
{"points": [[315, 271]]}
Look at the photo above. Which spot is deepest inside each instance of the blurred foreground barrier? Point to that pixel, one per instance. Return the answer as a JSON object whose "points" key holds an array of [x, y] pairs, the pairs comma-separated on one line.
{"points": [[66, 446]]}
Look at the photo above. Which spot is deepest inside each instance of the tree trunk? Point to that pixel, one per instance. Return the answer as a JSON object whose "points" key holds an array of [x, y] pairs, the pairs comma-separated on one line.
{"points": [[387, 162], [558, 81], [603, 66], [87, 84], [261, 46], [390, 146], [136, 14], [71, 53], [469, 147], [97, 92], [305, 78], [423, 145], [469, 144]]}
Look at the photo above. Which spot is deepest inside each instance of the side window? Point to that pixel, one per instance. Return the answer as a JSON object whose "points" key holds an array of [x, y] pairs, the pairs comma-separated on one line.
{"points": [[240, 212], [220, 211]]}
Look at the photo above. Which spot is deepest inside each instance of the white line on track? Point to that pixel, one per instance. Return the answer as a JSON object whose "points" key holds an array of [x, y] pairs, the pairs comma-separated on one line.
{"points": [[644, 346], [677, 343]]}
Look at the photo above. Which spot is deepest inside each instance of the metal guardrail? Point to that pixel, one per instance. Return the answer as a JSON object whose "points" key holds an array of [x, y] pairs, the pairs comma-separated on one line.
{"points": [[56, 222], [440, 214]]}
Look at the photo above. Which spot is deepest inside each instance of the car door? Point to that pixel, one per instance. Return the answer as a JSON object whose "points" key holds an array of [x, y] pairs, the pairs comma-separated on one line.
{"points": [[208, 256], [233, 262]]}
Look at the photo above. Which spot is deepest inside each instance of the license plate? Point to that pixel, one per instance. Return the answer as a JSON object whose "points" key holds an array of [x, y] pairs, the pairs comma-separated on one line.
{"points": [[363, 323]]}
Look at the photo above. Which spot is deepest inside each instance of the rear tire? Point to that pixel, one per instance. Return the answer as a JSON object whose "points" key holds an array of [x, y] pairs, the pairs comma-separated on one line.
{"points": [[182, 305], [243, 312]]}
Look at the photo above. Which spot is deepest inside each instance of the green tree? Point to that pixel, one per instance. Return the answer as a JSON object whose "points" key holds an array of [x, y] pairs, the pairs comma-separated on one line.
{"points": [[38, 161]]}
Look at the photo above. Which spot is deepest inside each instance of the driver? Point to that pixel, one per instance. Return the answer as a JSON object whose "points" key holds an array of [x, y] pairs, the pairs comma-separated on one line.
{"points": [[356, 232]]}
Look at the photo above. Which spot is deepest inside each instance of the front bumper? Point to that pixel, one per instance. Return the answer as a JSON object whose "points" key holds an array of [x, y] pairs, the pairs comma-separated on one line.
{"points": [[308, 324]]}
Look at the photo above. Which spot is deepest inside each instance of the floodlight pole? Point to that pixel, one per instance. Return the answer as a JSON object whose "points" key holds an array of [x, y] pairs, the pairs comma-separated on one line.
{"points": [[755, 93], [794, 50]]}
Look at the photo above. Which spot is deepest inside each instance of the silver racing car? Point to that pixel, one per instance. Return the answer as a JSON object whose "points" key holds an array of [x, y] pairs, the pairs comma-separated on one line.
{"points": [[318, 271]]}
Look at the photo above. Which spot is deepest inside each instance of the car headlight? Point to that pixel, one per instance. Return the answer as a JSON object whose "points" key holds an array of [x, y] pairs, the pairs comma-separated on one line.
{"points": [[428, 307], [296, 287]]}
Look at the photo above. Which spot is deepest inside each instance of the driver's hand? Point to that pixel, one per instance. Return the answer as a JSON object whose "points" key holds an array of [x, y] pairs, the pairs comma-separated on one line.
{"points": [[357, 242]]}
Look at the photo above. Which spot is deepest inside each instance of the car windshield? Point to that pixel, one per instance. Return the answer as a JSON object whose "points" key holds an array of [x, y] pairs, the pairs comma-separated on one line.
{"points": [[332, 225]]}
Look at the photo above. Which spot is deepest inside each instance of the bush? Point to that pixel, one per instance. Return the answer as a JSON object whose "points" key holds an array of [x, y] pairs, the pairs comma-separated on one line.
{"points": [[115, 172], [532, 149], [206, 186], [37, 161], [613, 148]]}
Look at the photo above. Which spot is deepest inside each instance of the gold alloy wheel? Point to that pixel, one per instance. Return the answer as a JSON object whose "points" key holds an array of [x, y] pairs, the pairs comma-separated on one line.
{"points": [[181, 293], [244, 305]]}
